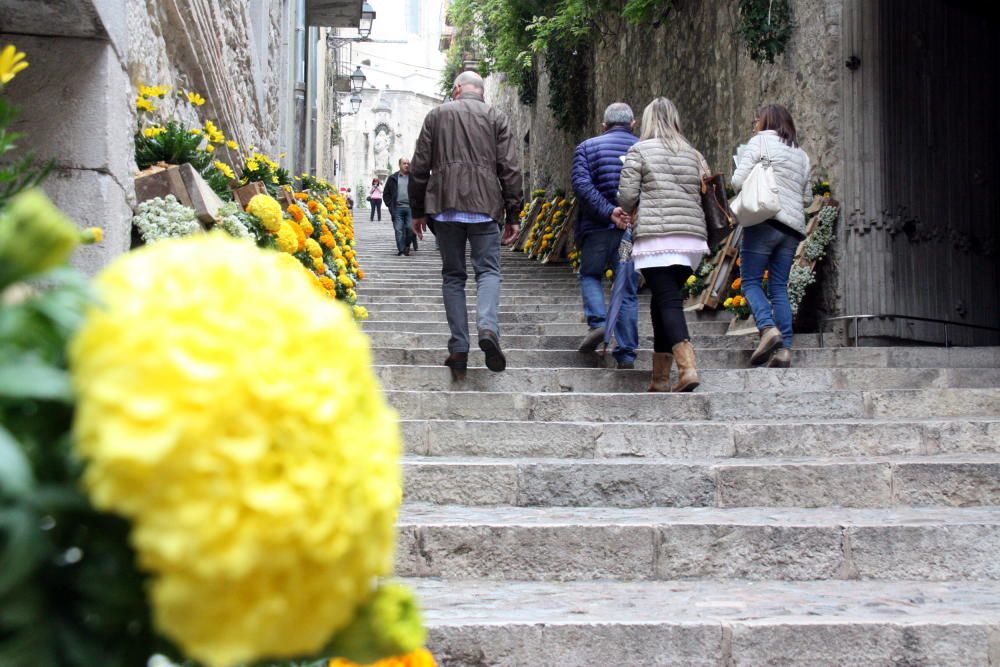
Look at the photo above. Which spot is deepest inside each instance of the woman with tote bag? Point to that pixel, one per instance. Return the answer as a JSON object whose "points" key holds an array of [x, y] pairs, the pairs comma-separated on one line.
{"points": [[663, 177], [771, 162]]}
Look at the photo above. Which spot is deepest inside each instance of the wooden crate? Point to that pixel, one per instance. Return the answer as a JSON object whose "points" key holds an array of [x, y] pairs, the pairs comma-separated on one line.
{"points": [[183, 182], [247, 192], [719, 280], [529, 221]]}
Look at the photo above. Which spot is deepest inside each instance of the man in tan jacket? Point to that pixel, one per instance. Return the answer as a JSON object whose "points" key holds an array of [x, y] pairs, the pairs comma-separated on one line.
{"points": [[465, 178]]}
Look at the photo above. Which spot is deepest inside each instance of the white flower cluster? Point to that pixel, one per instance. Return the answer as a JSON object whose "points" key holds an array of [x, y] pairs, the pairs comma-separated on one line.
{"points": [[165, 218], [815, 246], [229, 221], [799, 279]]}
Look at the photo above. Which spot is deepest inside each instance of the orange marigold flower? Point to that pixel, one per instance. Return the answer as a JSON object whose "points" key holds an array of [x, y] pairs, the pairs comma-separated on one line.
{"points": [[296, 212], [301, 196], [361, 274], [737, 283]]}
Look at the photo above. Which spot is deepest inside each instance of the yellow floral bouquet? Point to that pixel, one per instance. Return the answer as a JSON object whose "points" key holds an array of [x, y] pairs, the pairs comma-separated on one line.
{"points": [[187, 469]]}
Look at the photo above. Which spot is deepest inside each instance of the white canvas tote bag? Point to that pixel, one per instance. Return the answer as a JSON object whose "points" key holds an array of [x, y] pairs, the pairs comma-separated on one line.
{"points": [[759, 199]]}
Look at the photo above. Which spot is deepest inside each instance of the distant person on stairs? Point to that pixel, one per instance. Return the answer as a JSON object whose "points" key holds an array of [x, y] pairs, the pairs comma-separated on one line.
{"points": [[375, 199], [465, 178], [662, 176], [396, 197], [597, 167]]}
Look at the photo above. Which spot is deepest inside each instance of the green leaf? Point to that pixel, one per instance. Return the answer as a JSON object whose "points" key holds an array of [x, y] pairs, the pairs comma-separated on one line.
{"points": [[27, 376], [23, 547], [16, 478]]}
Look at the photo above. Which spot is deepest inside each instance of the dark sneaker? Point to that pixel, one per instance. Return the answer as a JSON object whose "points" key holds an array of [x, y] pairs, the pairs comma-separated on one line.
{"points": [[489, 343], [626, 365], [458, 362], [782, 358], [770, 340], [593, 338]]}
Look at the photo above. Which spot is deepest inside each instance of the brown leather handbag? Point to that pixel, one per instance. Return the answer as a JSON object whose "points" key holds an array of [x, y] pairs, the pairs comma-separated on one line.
{"points": [[719, 219]]}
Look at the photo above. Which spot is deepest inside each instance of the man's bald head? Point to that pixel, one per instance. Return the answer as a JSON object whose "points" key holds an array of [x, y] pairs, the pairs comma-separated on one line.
{"points": [[469, 82]]}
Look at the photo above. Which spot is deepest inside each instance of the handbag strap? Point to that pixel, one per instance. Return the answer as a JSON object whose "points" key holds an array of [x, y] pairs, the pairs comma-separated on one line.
{"points": [[767, 153]]}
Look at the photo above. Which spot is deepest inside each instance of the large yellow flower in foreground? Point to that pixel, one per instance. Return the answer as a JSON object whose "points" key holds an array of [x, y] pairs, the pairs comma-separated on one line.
{"points": [[267, 210], [260, 472]]}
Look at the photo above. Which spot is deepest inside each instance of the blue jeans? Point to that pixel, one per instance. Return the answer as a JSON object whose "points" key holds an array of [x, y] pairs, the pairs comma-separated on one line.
{"points": [[402, 218], [766, 246], [599, 250]]}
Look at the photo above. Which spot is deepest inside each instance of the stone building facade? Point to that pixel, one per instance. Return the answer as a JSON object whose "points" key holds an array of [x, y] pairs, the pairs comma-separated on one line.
{"points": [[900, 249], [249, 59]]}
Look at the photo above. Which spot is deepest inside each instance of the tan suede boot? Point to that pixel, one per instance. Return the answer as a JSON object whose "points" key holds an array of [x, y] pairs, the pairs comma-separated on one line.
{"points": [[687, 372], [662, 363]]}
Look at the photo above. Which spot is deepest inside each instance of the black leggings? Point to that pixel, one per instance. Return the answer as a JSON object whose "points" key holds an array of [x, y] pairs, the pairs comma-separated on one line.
{"points": [[376, 206], [667, 307]]}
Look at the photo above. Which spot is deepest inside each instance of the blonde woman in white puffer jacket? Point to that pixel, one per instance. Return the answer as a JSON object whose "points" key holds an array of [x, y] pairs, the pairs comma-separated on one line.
{"points": [[771, 245]]}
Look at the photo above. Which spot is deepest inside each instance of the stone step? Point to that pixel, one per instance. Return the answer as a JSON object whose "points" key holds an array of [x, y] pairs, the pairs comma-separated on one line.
{"points": [[711, 624], [951, 481], [413, 339], [436, 303], [843, 357], [756, 380], [559, 321], [578, 329], [701, 439], [722, 406], [427, 288], [664, 543]]}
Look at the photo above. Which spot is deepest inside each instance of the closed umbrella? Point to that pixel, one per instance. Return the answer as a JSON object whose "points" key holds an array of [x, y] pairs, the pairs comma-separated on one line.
{"points": [[626, 267]]}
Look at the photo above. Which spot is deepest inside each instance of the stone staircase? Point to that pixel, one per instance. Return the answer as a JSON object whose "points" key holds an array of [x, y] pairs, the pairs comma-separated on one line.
{"points": [[842, 512]]}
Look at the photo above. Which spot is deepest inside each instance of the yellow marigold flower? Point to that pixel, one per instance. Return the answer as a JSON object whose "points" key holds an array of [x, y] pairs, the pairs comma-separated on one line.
{"points": [[253, 165], [232, 145], [690, 281], [142, 104], [267, 210], [153, 132], [313, 248], [345, 280], [92, 235], [195, 99], [226, 170], [288, 240], [360, 313], [319, 265], [307, 227], [226, 452], [727, 303], [210, 148], [12, 61], [609, 274]]}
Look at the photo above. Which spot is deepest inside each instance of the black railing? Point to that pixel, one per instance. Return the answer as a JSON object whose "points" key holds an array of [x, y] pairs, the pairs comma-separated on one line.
{"points": [[913, 318]]}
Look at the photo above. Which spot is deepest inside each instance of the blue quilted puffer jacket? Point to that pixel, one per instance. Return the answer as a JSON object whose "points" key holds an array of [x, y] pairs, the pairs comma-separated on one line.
{"points": [[597, 166]]}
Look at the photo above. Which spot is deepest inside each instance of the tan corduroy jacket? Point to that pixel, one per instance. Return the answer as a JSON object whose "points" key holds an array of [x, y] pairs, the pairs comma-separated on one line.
{"points": [[666, 186]]}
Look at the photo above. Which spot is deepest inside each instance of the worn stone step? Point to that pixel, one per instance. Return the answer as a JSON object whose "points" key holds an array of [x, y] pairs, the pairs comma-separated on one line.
{"points": [[711, 624], [701, 439], [425, 288], [948, 481], [512, 328], [723, 406], [766, 380], [414, 339], [842, 357], [665, 543]]}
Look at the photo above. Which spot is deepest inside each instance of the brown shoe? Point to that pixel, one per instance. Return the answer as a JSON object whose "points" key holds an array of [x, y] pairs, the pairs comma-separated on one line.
{"points": [[770, 340], [662, 363], [687, 372], [458, 362], [489, 343], [782, 358]]}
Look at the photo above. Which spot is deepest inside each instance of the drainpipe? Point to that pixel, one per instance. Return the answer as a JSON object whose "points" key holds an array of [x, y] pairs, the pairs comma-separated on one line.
{"points": [[312, 100], [301, 118]]}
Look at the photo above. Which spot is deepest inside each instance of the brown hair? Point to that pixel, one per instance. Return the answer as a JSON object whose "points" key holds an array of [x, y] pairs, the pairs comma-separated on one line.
{"points": [[376, 181], [776, 117]]}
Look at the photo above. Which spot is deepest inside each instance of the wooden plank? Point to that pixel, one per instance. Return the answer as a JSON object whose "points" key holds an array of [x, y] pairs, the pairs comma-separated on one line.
{"points": [[247, 192], [557, 252], [526, 224], [718, 281], [159, 182], [204, 201]]}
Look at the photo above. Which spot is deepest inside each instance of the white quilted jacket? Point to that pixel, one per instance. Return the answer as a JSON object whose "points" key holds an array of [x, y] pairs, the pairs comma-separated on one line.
{"points": [[791, 171], [666, 185]]}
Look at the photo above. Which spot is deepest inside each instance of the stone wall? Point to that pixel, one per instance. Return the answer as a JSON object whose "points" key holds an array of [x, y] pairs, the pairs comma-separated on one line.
{"points": [[696, 59]]}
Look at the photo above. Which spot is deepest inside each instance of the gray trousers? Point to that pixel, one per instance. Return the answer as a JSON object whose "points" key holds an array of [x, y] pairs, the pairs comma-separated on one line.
{"points": [[484, 240]]}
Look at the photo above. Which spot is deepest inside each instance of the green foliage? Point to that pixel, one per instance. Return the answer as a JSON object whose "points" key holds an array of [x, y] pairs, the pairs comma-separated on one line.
{"points": [[314, 183], [22, 173], [766, 27], [179, 145], [647, 11]]}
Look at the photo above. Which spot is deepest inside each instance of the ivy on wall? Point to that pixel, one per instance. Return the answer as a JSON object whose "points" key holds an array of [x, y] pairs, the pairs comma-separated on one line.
{"points": [[508, 36], [766, 27]]}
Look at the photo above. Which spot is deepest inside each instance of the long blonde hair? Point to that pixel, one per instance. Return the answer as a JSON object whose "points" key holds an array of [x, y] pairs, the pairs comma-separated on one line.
{"points": [[660, 120]]}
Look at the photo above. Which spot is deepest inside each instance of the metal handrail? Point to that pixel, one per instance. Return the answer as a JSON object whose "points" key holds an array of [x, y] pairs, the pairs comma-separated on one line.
{"points": [[889, 316]]}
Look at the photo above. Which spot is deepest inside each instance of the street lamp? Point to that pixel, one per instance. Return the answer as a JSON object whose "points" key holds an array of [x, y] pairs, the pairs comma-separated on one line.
{"points": [[358, 80], [355, 103], [367, 17]]}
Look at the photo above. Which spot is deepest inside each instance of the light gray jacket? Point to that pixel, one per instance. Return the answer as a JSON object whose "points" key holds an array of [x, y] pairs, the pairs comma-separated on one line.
{"points": [[666, 185], [791, 172]]}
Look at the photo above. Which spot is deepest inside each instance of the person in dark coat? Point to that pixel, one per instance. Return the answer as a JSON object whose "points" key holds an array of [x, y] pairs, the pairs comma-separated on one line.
{"points": [[397, 199], [601, 222]]}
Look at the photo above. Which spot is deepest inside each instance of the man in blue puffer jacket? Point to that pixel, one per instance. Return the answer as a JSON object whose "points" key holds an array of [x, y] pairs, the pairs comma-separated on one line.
{"points": [[600, 224]]}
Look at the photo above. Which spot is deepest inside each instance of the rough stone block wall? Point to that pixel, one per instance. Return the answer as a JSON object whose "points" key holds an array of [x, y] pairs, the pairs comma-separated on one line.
{"points": [[697, 60]]}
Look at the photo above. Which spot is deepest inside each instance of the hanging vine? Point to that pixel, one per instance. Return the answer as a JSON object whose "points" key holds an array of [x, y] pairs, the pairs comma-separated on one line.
{"points": [[765, 26]]}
